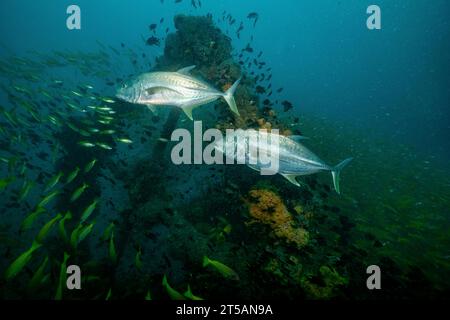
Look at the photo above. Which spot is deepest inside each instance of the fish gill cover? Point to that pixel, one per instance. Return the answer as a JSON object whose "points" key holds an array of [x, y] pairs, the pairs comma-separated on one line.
{"points": [[87, 180]]}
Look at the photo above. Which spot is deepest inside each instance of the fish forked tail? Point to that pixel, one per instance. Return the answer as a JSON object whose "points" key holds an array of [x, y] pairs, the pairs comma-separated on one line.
{"points": [[229, 97], [335, 172], [206, 261], [164, 281]]}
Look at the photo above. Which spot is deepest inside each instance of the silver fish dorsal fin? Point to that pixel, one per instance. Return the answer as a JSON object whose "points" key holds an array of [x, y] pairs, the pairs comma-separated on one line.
{"points": [[187, 70]]}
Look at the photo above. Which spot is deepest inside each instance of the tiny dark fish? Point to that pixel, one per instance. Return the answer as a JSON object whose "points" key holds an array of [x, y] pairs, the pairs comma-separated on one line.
{"points": [[152, 27], [287, 105], [248, 48], [153, 41], [280, 90], [241, 27], [253, 16], [260, 89]]}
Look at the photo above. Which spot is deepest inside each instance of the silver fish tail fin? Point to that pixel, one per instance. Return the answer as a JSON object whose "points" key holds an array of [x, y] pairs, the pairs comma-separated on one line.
{"points": [[229, 97], [335, 172]]}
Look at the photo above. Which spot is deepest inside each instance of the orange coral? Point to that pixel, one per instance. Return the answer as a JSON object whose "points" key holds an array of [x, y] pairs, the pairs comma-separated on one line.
{"points": [[226, 86], [267, 207]]}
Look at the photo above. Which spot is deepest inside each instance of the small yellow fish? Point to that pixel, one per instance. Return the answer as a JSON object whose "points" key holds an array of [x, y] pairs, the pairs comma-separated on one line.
{"points": [[107, 233], [46, 228], [108, 100], [103, 145], [78, 192], [224, 270], [93, 130], [53, 181], [188, 294], [21, 261], [138, 260], [77, 93], [62, 227], [75, 235], [86, 144], [109, 131], [25, 190], [88, 211], [62, 277], [173, 294], [109, 294], [106, 122], [89, 166], [85, 231], [38, 276], [29, 220], [112, 249], [48, 198], [124, 140], [72, 175]]}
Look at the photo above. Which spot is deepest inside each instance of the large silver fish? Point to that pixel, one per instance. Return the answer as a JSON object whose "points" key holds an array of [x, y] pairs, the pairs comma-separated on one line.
{"points": [[294, 159], [178, 89]]}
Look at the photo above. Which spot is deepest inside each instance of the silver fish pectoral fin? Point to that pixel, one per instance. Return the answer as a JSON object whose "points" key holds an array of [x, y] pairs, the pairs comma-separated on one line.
{"points": [[152, 108], [292, 179], [253, 167], [191, 105], [298, 138], [188, 107]]}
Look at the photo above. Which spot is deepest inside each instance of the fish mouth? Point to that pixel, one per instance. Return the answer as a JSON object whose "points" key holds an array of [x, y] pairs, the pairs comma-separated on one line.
{"points": [[120, 94]]}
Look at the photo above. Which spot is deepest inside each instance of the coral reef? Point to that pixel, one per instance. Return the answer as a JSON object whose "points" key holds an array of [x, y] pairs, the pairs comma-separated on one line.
{"points": [[190, 46], [330, 281], [267, 207]]}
